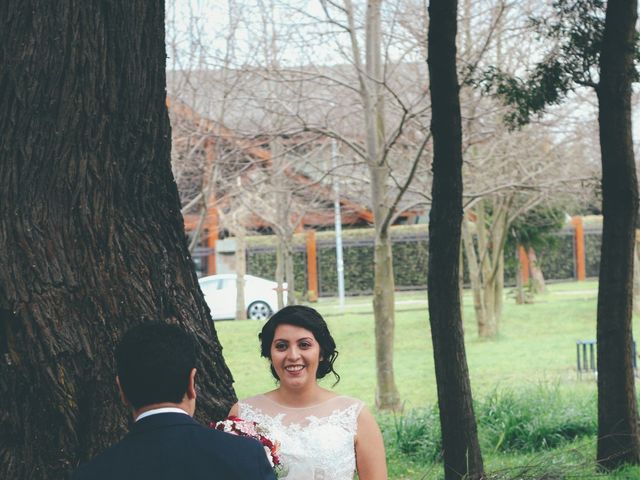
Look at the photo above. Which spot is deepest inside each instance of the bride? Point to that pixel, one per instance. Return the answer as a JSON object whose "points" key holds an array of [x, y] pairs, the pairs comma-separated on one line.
{"points": [[323, 436]]}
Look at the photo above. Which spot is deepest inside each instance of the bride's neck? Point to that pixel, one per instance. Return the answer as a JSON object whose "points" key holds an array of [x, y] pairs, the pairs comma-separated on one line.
{"points": [[300, 397]]}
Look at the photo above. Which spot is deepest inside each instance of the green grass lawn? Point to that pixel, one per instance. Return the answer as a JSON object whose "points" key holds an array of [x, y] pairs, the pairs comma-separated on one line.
{"points": [[536, 346]]}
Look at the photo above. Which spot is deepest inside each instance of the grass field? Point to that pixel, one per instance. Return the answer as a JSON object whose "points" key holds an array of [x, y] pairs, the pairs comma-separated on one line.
{"points": [[536, 346]]}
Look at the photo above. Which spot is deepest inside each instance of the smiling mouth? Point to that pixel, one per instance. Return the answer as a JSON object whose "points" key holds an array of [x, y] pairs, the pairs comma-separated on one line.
{"points": [[294, 368]]}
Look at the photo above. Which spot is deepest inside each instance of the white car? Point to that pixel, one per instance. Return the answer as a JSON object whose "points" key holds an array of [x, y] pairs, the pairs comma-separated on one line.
{"points": [[261, 296]]}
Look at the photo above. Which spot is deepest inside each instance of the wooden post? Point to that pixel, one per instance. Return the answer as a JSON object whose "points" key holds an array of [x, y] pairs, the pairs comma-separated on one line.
{"points": [[581, 271], [312, 270], [524, 264]]}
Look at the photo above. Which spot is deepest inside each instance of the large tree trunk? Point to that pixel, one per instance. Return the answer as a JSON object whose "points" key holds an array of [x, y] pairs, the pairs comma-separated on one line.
{"points": [[636, 276], [459, 432], [618, 440], [91, 236]]}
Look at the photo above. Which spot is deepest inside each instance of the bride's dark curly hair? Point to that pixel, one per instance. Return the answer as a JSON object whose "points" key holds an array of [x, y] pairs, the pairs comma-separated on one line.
{"points": [[309, 319]]}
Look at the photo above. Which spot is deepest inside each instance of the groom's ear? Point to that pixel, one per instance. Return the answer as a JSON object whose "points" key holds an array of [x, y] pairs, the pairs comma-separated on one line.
{"points": [[123, 397], [191, 387]]}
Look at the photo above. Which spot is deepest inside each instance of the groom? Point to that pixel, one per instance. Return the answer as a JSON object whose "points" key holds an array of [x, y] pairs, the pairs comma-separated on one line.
{"points": [[156, 379]]}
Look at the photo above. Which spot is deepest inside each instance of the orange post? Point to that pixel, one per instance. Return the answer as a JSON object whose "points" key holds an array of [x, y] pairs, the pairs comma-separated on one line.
{"points": [[312, 269], [581, 271], [212, 239], [524, 264]]}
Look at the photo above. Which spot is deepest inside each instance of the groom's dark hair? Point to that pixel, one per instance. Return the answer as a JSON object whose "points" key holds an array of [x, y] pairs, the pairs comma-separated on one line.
{"points": [[153, 362]]}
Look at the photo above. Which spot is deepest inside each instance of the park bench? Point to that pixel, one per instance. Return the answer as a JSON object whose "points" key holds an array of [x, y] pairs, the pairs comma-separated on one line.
{"points": [[586, 351]]}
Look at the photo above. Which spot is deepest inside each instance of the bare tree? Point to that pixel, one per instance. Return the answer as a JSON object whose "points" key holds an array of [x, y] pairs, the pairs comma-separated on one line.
{"points": [[506, 173]]}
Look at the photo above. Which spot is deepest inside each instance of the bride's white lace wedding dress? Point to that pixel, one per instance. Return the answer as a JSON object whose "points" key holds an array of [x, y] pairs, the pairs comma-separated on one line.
{"points": [[317, 442]]}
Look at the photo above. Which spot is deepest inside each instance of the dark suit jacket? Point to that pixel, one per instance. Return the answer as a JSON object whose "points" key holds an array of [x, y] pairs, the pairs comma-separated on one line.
{"points": [[174, 446]]}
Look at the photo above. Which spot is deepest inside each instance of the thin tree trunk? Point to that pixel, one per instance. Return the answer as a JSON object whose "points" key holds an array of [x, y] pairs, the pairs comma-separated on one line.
{"points": [[537, 277], [474, 277], [461, 450], [241, 270], [490, 328], [289, 272], [387, 396], [280, 273], [618, 439], [91, 237], [520, 296], [498, 290], [283, 201], [487, 323]]}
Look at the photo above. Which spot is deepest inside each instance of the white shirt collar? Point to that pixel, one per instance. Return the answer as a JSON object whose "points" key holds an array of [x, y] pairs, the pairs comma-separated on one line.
{"points": [[155, 411]]}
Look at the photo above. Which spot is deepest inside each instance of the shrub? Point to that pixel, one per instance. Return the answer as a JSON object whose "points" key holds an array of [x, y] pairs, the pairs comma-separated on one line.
{"points": [[534, 419], [415, 433], [525, 422]]}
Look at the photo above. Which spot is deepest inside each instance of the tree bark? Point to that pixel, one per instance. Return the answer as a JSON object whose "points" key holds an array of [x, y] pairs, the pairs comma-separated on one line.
{"points": [[288, 270], [618, 439], [486, 266], [636, 276], [462, 457], [387, 396], [474, 276], [280, 273], [241, 270], [537, 277], [91, 237]]}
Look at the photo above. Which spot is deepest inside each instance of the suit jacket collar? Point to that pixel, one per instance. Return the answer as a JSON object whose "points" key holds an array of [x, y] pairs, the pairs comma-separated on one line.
{"points": [[162, 420]]}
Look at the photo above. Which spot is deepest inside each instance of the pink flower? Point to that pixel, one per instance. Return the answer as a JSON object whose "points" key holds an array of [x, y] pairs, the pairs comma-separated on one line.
{"points": [[246, 428]]}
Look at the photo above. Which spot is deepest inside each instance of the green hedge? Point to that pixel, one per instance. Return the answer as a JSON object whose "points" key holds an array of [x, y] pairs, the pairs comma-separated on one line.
{"points": [[592, 244], [410, 260], [556, 261], [263, 264]]}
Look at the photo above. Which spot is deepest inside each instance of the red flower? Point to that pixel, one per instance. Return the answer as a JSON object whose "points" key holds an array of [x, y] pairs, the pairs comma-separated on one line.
{"points": [[246, 428]]}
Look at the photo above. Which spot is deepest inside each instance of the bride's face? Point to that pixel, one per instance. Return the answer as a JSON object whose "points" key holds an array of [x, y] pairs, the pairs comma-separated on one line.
{"points": [[295, 355]]}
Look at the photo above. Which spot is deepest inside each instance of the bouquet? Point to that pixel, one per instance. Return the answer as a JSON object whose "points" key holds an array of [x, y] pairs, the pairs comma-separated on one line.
{"points": [[247, 428]]}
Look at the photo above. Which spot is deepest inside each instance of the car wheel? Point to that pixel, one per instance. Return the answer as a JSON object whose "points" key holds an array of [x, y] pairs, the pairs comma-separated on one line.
{"points": [[258, 311]]}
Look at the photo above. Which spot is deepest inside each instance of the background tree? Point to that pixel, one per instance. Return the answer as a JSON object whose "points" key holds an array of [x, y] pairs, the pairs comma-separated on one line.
{"points": [[595, 46], [91, 236], [505, 173], [618, 432], [461, 449]]}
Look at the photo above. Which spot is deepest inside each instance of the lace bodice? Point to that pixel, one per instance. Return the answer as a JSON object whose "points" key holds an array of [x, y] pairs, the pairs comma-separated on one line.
{"points": [[317, 442]]}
